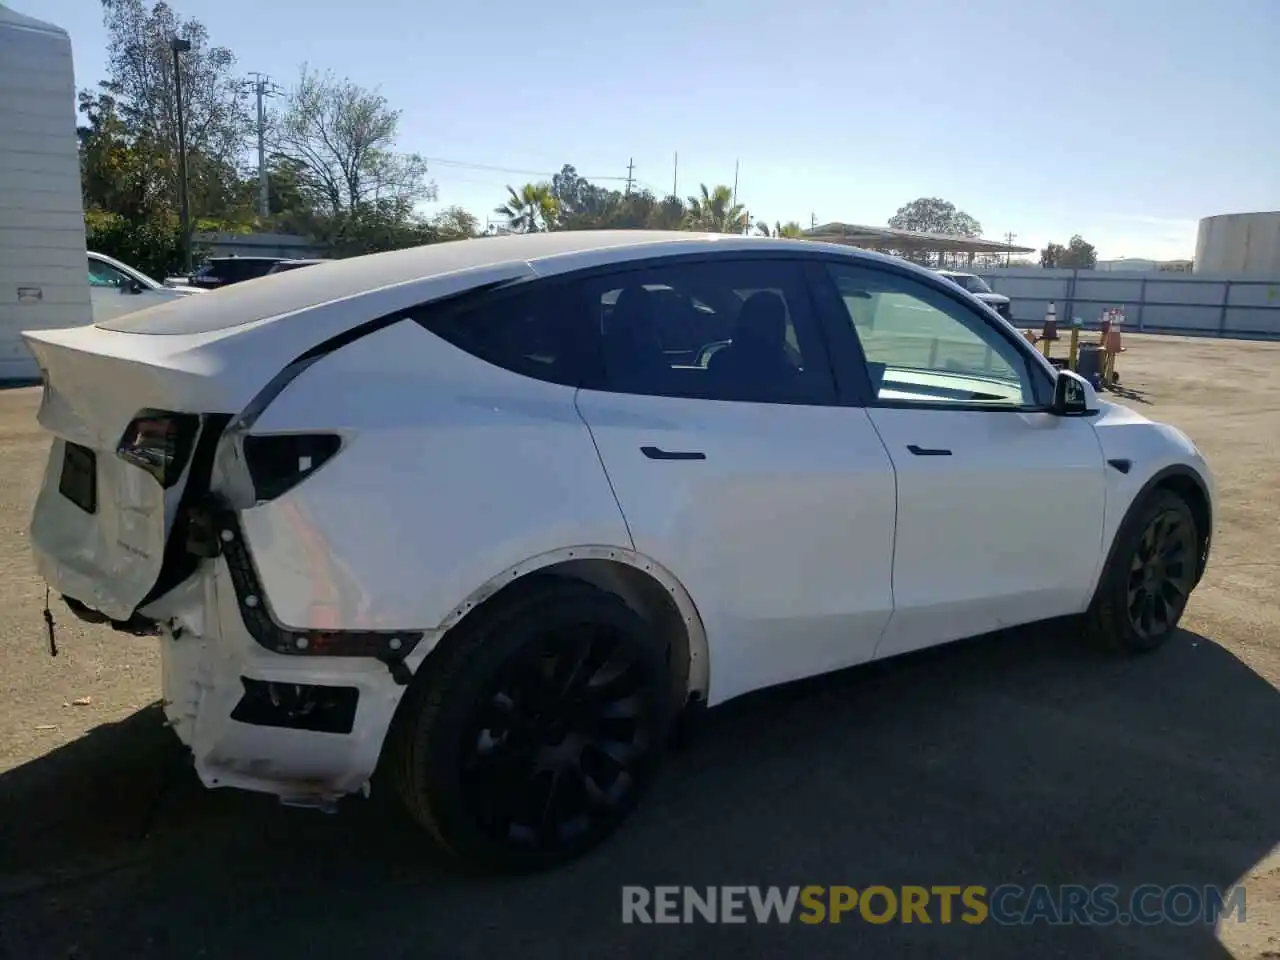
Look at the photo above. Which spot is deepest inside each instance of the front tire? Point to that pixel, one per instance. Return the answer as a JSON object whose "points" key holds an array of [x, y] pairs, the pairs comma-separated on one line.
{"points": [[529, 736], [1149, 577]]}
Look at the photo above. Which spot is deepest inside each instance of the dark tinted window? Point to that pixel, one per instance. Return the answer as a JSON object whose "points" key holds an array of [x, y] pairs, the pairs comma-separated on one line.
{"points": [[542, 331], [717, 330], [235, 269]]}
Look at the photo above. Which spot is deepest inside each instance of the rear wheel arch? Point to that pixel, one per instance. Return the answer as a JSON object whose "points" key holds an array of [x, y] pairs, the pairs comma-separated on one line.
{"points": [[643, 584]]}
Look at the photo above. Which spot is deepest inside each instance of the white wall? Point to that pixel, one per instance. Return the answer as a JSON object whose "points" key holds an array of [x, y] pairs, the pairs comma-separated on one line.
{"points": [[43, 274]]}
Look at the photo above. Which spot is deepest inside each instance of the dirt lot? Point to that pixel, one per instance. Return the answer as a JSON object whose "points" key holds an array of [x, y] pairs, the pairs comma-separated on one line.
{"points": [[1009, 759]]}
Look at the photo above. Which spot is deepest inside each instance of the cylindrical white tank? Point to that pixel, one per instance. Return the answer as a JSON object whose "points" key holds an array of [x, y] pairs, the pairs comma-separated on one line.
{"points": [[1239, 243]]}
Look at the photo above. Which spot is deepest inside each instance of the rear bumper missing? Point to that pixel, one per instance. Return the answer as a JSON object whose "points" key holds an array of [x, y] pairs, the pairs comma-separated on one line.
{"points": [[305, 729]]}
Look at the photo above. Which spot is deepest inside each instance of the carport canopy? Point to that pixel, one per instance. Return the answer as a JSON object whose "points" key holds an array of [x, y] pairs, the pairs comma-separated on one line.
{"points": [[908, 242]]}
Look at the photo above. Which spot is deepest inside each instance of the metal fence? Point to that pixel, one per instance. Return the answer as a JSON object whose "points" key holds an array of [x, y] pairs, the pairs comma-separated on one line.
{"points": [[1188, 304]]}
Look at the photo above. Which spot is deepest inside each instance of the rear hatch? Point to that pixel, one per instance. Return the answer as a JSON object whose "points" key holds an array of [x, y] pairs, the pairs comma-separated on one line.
{"points": [[124, 434]]}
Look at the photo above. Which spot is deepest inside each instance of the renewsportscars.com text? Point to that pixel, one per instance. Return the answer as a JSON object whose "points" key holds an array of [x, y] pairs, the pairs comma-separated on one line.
{"points": [[1102, 905]]}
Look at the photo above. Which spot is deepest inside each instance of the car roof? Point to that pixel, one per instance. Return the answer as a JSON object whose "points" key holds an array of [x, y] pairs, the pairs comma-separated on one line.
{"points": [[490, 258]]}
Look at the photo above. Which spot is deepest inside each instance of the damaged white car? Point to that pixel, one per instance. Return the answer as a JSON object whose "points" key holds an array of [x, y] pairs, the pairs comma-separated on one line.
{"points": [[498, 512]]}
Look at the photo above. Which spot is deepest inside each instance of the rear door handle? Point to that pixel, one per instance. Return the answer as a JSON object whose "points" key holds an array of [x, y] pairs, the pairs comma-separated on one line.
{"points": [[928, 451], [656, 453]]}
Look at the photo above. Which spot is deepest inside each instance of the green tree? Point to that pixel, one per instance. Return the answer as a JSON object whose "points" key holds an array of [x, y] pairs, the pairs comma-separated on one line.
{"points": [[713, 211], [1076, 255], [1052, 255], [790, 230], [454, 223], [670, 213], [532, 209], [215, 103], [152, 244], [1079, 255], [339, 139], [935, 215]]}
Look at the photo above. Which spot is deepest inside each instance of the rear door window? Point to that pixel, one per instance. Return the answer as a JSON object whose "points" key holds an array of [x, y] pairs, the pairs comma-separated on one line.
{"points": [[723, 329]]}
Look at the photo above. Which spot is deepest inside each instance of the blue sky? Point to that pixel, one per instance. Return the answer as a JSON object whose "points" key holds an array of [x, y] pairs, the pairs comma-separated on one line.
{"points": [[1122, 120]]}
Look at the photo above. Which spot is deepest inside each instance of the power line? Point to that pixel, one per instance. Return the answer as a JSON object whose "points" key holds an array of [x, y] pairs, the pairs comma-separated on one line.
{"points": [[497, 169]]}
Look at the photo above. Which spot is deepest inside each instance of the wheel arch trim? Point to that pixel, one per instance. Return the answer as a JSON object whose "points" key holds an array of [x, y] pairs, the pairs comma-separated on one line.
{"points": [[1161, 477], [698, 679]]}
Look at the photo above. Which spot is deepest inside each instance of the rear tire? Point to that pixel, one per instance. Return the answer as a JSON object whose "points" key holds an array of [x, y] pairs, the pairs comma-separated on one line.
{"points": [[530, 735], [1148, 578]]}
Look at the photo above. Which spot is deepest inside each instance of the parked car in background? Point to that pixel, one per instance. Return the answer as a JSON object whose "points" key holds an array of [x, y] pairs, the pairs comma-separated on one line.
{"points": [[495, 514], [285, 265], [980, 289], [116, 288], [223, 271]]}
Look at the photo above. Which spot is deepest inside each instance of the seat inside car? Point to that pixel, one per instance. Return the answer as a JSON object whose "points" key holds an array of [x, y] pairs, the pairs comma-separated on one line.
{"points": [[633, 354], [758, 351]]}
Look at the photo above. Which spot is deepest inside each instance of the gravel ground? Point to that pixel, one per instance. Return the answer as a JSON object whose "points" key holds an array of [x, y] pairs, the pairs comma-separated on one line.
{"points": [[1015, 758]]}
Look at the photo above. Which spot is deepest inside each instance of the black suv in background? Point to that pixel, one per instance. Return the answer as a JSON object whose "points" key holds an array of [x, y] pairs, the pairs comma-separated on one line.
{"points": [[221, 271]]}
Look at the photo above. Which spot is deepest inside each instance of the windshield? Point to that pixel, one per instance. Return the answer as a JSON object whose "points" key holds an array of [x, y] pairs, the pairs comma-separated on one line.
{"points": [[970, 282]]}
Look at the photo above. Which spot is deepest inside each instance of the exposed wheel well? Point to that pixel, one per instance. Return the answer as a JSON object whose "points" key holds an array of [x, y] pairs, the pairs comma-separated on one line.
{"points": [[641, 589]]}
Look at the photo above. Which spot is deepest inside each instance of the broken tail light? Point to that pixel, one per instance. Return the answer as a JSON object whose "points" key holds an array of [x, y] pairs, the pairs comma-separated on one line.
{"points": [[279, 462], [160, 442]]}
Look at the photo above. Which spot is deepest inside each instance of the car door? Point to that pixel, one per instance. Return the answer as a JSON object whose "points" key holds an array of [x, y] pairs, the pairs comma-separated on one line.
{"points": [[110, 291], [739, 471], [1000, 503]]}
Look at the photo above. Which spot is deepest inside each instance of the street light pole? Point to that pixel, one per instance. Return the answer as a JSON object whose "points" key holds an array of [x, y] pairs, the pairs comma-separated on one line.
{"points": [[184, 206]]}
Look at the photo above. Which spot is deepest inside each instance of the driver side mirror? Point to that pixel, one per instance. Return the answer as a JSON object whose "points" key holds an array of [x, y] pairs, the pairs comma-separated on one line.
{"points": [[130, 286], [1073, 396]]}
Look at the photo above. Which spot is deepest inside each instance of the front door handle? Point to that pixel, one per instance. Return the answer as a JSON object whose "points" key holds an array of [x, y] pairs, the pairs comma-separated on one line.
{"points": [[656, 453], [928, 451]]}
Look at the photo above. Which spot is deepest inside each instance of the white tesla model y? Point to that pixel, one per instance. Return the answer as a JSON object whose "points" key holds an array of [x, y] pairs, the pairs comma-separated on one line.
{"points": [[497, 512]]}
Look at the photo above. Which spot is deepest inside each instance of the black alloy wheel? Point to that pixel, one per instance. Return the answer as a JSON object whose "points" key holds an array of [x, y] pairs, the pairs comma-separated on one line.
{"points": [[555, 747], [530, 734], [1161, 575]]}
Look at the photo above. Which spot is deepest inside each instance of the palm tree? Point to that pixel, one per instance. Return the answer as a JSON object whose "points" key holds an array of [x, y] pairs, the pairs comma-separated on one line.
{"points": [[791, 229], [532, 210], [715, 212]]}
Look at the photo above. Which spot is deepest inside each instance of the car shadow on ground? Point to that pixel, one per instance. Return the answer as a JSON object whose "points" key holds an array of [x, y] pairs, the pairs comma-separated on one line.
{"points": [[1016, 758]]}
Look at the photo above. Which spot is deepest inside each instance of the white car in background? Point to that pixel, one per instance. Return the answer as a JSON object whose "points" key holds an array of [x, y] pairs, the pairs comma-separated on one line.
{"points": [[488, 511], [117, 288], [980, 289]]}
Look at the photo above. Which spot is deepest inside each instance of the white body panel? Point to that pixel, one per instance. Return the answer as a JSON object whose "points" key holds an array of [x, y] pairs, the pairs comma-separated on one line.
{"points": [[783, 534], [42, 241], [1005, 529], [808, 538], [478, 470]]}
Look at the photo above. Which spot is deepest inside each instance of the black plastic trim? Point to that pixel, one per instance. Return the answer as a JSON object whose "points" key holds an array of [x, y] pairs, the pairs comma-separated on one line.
{"points": [[657, 453], [1159, 477], [1120, 463], [297, 706], [928, 451], [179, 563], [389, 646]]}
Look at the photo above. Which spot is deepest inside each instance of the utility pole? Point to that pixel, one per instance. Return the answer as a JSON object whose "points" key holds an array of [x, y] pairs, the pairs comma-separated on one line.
{"points": [[675, 174], [178, 45], [1009, 237], [630, 167], [813, 220], [262, 87], [735, 184]]}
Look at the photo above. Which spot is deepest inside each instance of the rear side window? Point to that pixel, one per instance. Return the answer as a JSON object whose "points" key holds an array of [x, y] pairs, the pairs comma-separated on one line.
{"points": [[737, 330], [543, 331]]}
